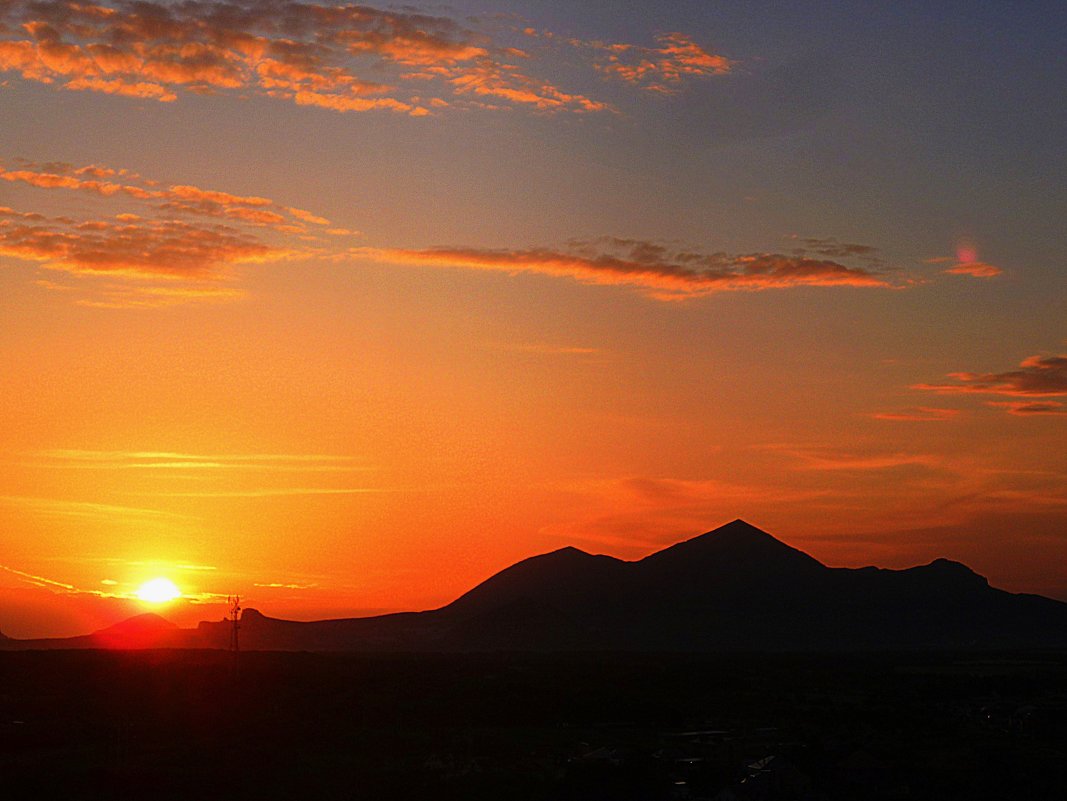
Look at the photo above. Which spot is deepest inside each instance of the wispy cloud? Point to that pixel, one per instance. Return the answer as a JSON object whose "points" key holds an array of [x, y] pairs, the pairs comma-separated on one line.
{"points": [[39, 581], [975, 269], [275, 492], [171, 460], [542, 349], [640, 513], [1037, 376], [657, 270], [346, 58], [832, 247], [117, 296], [115, 590], [1031, 408], [186, 199], [835, 459], [919, 414], [185, 242], [89, 510]]}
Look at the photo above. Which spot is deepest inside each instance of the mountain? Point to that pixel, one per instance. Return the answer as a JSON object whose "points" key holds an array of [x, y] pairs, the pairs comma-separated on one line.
{"points": [[731, 589], [141, 631]]}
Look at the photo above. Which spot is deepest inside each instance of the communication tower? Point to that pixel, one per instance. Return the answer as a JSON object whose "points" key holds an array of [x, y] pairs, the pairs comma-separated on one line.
{"points": [[234, 602]]}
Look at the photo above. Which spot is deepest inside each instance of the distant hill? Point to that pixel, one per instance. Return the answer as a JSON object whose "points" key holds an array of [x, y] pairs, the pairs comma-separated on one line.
{"points": [[736, 588], [141, 631]]}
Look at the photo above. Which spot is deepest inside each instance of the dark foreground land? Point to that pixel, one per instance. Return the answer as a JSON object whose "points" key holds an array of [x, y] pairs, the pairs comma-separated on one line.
{"points": [[181, 724]]}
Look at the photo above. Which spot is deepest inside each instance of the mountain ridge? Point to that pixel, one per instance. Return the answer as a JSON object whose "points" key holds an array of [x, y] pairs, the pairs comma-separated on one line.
{"points": [[735, 587]]}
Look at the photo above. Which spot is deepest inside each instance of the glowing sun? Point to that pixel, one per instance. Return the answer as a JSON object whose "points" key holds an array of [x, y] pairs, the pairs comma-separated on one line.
{"points": [[158, 591]]}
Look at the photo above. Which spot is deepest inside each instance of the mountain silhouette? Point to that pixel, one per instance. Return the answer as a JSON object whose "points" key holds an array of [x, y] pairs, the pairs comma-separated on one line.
{"points": [[736, 588], [140, 631]]}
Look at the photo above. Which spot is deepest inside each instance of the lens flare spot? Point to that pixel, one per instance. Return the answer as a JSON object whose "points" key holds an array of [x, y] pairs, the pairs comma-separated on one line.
{"points": [[158, 591], [966, 252]]}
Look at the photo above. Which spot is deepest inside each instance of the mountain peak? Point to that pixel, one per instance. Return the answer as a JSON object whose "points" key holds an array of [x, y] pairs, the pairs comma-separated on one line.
{"points": [[734, 545], [567, 552], [149, 621], [953, 571], [739, 530], [140, 631], [565, 572]]}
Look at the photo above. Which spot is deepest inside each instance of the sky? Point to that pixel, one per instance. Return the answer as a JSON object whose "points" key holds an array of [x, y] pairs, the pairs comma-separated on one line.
{"points": [[346, 308]]}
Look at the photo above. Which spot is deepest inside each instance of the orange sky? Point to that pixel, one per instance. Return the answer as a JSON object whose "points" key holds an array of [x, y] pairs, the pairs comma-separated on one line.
{"points": [[350, 327]]}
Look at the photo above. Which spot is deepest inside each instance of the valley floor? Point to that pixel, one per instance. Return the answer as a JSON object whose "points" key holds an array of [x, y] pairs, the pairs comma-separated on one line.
{"points": [[195, 724]]}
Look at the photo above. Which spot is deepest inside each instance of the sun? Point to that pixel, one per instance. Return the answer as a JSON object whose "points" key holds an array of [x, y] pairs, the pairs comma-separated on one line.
{"points": [[158, 591]]}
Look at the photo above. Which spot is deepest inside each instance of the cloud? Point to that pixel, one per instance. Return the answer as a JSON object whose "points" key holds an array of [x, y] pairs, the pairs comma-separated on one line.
{"points": [[90, 510], [656, 270], [966, 262], [919, 414], [39, 581], [276, 492], [639, 514], [833, 248], [151, 297], [181, 246], [180, 198], [505, 82], [167, 248], [198, 235], [114, 590], [975, 269], [1031, 408], [659, 69], [173, 460], [542, 349], [1037, 376], [346, 58], [830, 459]]}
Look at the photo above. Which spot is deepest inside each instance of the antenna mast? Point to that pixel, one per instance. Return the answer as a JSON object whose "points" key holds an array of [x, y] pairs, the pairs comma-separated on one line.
{"points": [[234, 602]]}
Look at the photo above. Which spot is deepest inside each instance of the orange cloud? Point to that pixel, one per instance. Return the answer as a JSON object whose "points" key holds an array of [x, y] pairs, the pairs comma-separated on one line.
{"points": [[659, 69], [307, 216], [157, 297], [306, 53], [167, 239], [119, 86], [142, 247], [1038, 376], [651, 268], [1031, 408], [542, 349], [638, 514], [175, 250], [10, 213], [335, 102], [966, 262], [49, 180], [490, 79], [919, 414], [975, 269], [258, 211], [830, 459], [835, 249], [223, 198]]}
